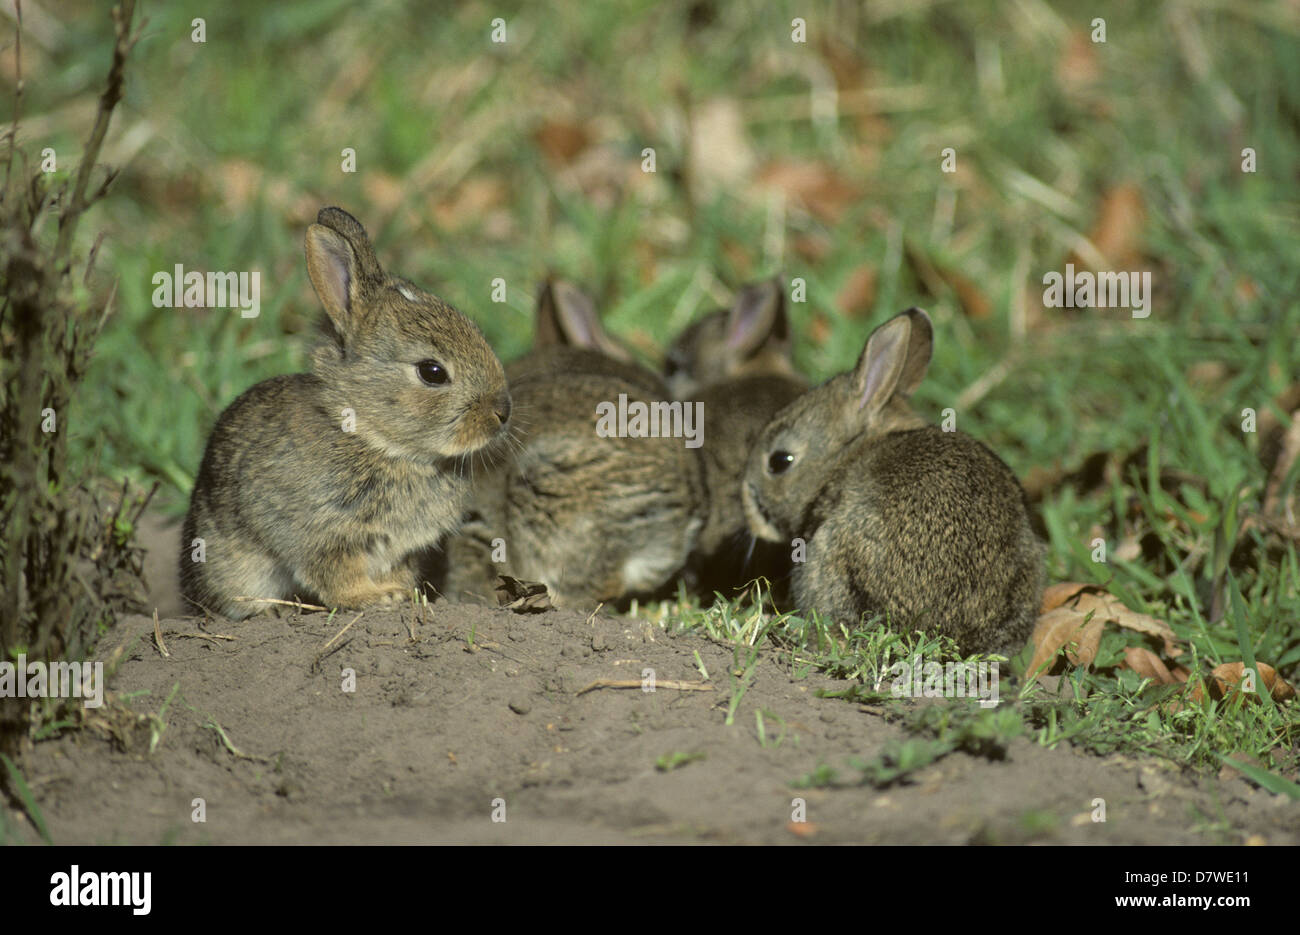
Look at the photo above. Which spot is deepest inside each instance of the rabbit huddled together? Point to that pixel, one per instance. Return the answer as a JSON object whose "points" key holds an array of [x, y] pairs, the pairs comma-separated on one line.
{"points": [[409, 435]]}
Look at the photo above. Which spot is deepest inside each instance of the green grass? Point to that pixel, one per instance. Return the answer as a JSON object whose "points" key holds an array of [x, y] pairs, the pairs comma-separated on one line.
{"points": [[228, 149]]}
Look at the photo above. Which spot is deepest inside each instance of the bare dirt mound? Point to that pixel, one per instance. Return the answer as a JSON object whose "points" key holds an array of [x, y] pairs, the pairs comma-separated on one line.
{"points": [[467, 712]]}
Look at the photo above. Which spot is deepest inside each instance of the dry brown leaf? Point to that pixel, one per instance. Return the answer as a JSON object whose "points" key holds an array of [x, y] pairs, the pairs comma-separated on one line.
{"points": [[1117, 233], [1065, 607], [1230, 674], [1057, 594], [239, 181], [738, 256], [561, 141], [819, 329], [384, 191], [1110, 608], [474, 198], [819, 188], [858, 294], [1061, 628], [1077, 69], [523, 597], [812, 248], [803, 829], [1208, 374], [1148, 665], [935, 276]]}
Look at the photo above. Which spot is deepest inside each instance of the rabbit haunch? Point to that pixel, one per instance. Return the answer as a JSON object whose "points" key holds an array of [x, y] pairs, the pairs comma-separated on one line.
{"points": [[651, 419], [288, 503]]}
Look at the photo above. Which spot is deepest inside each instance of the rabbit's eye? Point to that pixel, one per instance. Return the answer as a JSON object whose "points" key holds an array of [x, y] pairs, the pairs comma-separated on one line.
{"points": [[779, 462], [432, 372]]}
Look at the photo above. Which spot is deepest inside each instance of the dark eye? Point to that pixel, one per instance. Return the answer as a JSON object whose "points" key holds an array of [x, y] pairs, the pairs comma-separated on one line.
{"points": [[779, 462], [432, 372]]}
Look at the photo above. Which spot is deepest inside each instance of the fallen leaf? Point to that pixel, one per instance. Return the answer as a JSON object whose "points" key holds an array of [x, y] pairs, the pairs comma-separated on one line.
{"points": [[1063, 628], [824, 192], [812, 248], [523, 597], [819, 330], [804, 829], [1148, 665], [1229, 675], [384, 191], [738, 256], [858, 294], [561, 141], [1077, 69], [1108, 607], [1064, 623], [937, 276], [470, 202], [1117, 232]]}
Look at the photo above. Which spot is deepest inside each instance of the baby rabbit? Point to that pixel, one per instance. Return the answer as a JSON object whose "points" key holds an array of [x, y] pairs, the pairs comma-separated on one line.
{"points": [[325, 485], [929, 527], [595, 518], [752, 338], [735, 361]]}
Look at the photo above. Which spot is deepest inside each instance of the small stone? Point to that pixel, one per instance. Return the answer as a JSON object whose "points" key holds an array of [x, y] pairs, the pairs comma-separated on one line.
{"points": [[519, 706], [599, 642]]}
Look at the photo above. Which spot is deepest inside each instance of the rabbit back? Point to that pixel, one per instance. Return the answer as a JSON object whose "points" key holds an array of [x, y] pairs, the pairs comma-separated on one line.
{"points": [[596, 519], [929, 528]]}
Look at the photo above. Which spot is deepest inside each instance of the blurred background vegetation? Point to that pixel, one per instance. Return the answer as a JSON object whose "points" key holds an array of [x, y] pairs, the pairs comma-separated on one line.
{"points": [[818, 159]]}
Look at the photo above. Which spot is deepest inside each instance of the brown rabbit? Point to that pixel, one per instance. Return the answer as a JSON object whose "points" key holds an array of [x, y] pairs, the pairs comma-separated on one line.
{"points": [[928, 527], [326, 486], [597, 518], [736, 361]]}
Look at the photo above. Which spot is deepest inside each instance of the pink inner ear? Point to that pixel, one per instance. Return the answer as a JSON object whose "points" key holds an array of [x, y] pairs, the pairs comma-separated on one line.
{"points": [[881, 368], [335, 269], [739, 327]]}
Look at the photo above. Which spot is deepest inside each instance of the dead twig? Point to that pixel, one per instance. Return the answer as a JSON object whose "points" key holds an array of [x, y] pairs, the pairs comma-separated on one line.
{"points": [[157, 636], [325, 650], [638, 683], [275, 600]]}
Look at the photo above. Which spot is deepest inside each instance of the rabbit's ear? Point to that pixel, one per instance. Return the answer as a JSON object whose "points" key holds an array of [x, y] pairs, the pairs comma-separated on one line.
{"points": [[342, 266], [758, 320], [920, 343], [567, 317], [894, 360]]}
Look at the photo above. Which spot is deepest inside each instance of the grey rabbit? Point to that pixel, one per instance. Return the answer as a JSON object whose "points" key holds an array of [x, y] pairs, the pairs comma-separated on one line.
{"points": [[596, 519], [328, 486], [737, 362], [898, 517]]}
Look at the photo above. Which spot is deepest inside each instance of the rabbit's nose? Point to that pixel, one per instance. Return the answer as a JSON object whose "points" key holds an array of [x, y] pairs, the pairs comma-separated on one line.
{"points": [[502, 408]]}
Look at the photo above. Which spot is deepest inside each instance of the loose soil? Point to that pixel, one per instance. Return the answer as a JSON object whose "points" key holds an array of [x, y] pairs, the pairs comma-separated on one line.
{"points": [[463, 711]]}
